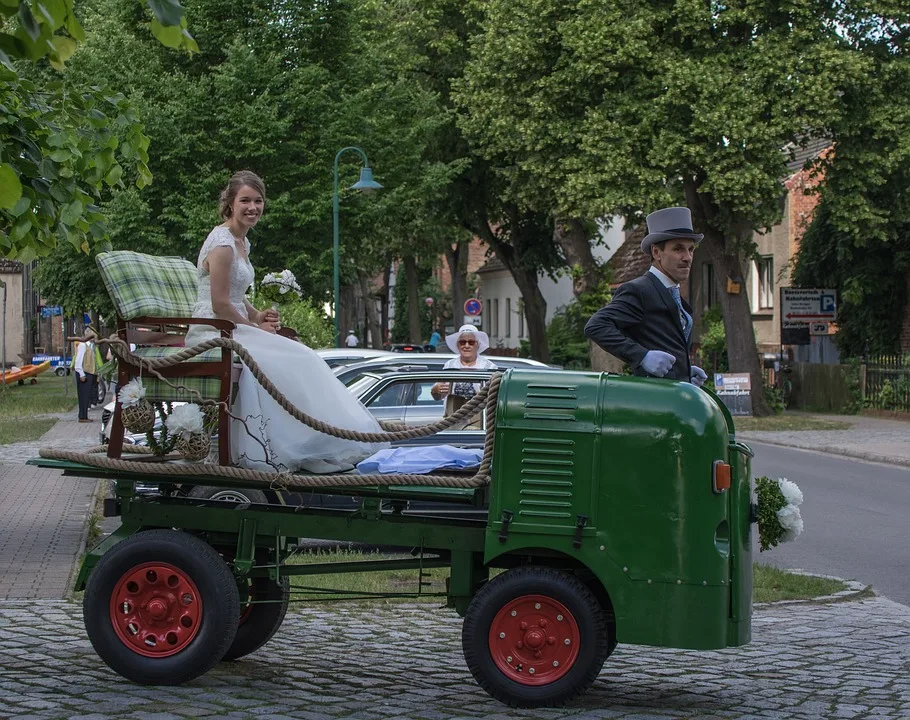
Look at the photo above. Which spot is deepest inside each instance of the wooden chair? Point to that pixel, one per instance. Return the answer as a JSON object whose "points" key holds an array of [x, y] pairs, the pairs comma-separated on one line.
{"points": [[154, 299]]}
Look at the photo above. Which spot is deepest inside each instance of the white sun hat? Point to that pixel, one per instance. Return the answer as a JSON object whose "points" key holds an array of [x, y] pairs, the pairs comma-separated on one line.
{"points": [[483, 340]]}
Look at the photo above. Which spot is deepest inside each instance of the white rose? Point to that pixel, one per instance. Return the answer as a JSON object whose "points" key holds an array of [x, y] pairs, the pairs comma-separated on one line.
{"points": [[791, 492], [791, 521], [131, 393], [185, 420]]}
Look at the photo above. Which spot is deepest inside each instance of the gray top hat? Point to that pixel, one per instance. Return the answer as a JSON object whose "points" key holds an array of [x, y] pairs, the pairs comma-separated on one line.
{"points": [[669, 224]]}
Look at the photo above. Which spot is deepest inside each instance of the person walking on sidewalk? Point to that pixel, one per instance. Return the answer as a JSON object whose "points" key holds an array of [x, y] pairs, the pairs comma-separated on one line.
{"points": [[647, 323], [84, 364]]}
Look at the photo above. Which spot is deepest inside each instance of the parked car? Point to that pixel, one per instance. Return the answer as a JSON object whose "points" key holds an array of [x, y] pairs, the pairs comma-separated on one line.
{"points": [[335, 357], [429, 361]]}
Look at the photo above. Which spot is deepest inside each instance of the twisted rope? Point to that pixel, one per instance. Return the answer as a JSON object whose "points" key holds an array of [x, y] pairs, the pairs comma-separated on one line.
{"points": [[486, 396]]}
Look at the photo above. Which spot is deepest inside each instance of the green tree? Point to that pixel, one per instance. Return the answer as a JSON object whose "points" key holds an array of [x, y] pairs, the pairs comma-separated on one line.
{"points": [[622, 108], [63, 147], [859, 240]]}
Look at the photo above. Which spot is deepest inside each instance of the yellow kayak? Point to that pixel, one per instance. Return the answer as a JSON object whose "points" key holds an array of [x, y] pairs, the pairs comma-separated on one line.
{"points": [[26, 372]]}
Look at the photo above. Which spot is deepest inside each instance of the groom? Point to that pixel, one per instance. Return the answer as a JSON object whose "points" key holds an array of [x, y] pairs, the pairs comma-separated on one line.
{"points": [[648, 324]]}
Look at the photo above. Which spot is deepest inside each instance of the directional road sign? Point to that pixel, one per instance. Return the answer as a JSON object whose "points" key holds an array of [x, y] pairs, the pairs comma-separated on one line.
{"points": [[808, 305]]}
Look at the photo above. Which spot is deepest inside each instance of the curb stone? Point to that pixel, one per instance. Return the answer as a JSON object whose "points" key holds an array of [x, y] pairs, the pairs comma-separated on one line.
{"points": [[832, 449]]}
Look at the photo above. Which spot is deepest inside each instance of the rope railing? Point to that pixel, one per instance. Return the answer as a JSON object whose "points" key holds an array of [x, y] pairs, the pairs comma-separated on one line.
{"points": [[487, 397]]}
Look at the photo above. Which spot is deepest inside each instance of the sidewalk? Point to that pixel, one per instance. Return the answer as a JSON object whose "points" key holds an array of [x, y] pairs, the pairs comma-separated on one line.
{"points": [[43, 514], [869, 438]]}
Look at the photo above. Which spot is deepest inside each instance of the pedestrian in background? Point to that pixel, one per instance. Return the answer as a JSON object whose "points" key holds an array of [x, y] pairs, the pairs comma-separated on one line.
{"points": [[351, 340], [85, 367], [647, 323]]}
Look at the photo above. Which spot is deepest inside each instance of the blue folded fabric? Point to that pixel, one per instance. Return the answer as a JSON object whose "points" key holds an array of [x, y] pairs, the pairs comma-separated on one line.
{"points": [[420, 460]]}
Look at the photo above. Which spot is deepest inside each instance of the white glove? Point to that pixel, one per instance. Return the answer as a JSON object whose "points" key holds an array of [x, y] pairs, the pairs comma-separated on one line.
{"points": [[698, 376], [657, 363]]}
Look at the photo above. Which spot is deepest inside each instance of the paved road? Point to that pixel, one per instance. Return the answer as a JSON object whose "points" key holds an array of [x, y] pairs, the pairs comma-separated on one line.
{"points": [[855, 513], [397, 662]]}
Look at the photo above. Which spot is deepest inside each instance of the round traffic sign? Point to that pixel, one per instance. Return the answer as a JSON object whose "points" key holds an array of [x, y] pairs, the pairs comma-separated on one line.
{"points": [[473, 306]]}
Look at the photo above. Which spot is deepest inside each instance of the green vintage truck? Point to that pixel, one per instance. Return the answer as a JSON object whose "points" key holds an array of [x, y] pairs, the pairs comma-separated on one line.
{"points": [[619, 510]]}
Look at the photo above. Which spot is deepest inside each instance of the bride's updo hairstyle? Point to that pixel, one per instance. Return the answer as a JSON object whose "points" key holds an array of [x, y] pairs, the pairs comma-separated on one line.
{"points": [[237, 181]]}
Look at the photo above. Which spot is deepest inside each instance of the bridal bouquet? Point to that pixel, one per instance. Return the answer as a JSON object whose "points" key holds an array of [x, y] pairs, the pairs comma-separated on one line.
{"points": [[779, 519], [280, 287]]}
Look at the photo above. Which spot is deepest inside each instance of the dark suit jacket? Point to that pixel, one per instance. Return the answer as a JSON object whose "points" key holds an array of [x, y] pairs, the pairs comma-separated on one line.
{"points": [[642, 316]]}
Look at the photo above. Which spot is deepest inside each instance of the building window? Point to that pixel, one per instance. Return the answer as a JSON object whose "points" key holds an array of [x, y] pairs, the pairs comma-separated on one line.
{"points": [[708, 286], [763, 283], [508, 317], [494, 325], [521, 319]]}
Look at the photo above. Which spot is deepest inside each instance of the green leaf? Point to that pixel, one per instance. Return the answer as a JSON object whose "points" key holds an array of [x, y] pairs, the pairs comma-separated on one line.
{"points": [[20, 207], [21, 228], [64, 46], [168, 12], [12, 46], [71, 213], [74, 28], [168, 35], [54, 11], [29, 24], [10, 187], [113, 175], [26, 254], [61, 155]]}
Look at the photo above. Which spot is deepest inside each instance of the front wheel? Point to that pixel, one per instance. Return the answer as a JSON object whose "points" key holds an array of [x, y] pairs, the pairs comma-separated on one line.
{"points": [[535, 637], [161, 607]]}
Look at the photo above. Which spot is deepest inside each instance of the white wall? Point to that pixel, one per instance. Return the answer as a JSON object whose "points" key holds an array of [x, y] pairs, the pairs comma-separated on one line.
{"points": [[499, 286]]}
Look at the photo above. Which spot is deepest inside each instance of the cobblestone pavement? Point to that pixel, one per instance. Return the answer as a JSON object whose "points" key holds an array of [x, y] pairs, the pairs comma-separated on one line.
{"points": [[42, 514], [806, 661], [869, 438]]}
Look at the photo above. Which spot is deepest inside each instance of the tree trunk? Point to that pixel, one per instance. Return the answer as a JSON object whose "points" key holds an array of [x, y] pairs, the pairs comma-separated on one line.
{"points": [[413, 281], [385, 295], [535, 306], [457, 259], [741, 348], [573, 238], [369, 305]]}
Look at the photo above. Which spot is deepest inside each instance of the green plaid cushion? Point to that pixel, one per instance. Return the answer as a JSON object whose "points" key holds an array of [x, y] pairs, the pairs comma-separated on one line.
{"points": [[158, 391], [147, 285], [154, 353]]}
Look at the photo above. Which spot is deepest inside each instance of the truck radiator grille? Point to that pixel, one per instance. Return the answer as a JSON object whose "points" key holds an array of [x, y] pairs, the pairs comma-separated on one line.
{"points": [[551, 402], [547, 477]]}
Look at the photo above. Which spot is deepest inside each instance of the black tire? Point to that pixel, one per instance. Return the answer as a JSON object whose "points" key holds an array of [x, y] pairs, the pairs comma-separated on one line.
{"points": [[205, 637], [586, 623], [259, 622], [234, 495]]}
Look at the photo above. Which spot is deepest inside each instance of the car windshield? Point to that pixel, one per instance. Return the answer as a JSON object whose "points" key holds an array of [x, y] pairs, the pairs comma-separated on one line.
{"points": [[360, 384]]}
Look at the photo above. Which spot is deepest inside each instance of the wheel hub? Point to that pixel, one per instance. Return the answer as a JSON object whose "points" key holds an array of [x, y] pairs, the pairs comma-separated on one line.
{"points": [[156, 609], [534, 640]]}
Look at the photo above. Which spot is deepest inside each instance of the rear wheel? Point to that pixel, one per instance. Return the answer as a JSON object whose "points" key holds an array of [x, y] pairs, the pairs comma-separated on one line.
{"points": [[161, 607], [233, 495], [535, 637], [261, 613]]}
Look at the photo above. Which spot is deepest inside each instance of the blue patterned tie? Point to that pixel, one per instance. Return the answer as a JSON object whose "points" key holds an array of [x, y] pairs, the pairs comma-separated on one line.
{"points": [[684, 318]]}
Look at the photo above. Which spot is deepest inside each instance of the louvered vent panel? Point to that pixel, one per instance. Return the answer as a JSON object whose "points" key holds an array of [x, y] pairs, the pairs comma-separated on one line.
{"points": [[547, 478], [551, 401]]}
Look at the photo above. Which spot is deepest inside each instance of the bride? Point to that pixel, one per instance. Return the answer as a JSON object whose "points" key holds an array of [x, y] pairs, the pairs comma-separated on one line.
{"points": [[281, 443]]}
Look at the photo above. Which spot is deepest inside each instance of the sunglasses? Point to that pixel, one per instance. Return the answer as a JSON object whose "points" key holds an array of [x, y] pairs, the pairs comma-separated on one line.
{"points": [[467, 342]]}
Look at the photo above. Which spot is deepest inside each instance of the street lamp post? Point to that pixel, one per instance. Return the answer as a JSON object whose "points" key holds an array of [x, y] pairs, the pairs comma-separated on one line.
{"points": [[365, 184]]}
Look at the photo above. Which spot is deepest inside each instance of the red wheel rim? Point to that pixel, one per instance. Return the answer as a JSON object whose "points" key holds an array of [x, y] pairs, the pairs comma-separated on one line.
{"points": [[156, 609], [534, 640]]}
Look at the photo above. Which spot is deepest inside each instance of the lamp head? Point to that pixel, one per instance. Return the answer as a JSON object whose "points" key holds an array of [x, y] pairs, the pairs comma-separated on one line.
{"points": [[366, 182]]}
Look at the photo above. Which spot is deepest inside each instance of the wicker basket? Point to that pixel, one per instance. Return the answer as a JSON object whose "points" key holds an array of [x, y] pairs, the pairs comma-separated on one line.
{"points": [[194, 447], [210, 415], [139, 418]]}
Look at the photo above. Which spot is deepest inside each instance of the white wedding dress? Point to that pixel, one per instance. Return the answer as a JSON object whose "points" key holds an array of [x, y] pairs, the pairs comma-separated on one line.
{"points": [[304, 378]]}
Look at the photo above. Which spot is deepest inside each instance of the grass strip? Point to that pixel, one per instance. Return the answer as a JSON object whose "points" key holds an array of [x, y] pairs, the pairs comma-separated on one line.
{"points": [[788, 423]]}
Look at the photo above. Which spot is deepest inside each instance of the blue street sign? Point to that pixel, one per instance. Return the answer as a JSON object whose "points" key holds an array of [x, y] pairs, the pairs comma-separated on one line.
{"points": [[51, 311]]}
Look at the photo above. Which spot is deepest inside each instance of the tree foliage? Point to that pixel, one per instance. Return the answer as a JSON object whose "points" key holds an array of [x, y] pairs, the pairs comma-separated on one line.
{"points": [[64, 147], [625, 107]]}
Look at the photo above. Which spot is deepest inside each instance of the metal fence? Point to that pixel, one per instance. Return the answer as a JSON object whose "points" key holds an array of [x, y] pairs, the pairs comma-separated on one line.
{"points": [[885, 382]]}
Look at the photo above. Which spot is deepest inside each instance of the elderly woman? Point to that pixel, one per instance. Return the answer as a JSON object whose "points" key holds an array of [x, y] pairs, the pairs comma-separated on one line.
{"points": [[468, 342]]}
